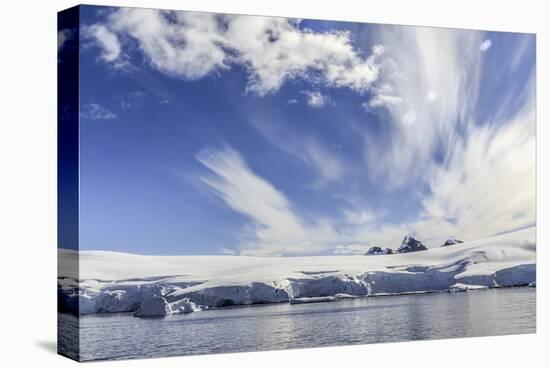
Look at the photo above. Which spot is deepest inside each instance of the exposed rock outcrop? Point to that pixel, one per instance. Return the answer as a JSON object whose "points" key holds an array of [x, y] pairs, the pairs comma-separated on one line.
{"points": [[451, 241], [410, 244], [375, 250]]}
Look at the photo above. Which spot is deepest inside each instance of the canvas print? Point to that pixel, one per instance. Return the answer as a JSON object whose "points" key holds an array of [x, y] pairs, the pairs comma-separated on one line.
{"points": [[234, 183]]}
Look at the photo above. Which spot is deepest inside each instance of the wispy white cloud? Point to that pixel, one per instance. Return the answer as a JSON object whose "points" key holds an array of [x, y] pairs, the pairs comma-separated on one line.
{"points": [[352, 249], [487, 184], [227, 251], [272, 50], [521, 53], [275, 228], [63, 36], [316, 99], [383, 100], [483, 181], [131, 99], [106, 40], [359, 217], [432, 77], [325, 162], [95, 111], [383, 93]]}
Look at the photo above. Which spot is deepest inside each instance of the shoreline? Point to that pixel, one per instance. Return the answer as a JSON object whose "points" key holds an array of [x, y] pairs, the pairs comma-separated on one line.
{"points": [[289, 302]]}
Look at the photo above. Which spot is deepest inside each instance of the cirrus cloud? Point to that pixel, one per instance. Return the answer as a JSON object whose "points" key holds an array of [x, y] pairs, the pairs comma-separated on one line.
{"points": [[95, 111], [274, 228]]}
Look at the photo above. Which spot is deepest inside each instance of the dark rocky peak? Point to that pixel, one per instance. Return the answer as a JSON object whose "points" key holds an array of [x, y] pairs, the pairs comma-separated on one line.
{"points": [[410, 244]]}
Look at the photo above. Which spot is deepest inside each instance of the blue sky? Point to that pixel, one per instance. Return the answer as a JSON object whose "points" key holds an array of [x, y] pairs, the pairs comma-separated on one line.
{"points": [[209, 134]]}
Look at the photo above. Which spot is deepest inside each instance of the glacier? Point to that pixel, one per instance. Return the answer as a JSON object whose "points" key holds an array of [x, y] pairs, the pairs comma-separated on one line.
{"points": [[157, 286]]}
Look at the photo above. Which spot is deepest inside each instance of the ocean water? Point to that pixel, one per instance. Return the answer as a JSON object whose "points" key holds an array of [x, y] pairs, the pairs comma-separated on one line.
{"points": [[284, 326]]}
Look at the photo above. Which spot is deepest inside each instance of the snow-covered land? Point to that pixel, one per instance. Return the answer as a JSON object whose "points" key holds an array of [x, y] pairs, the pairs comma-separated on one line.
{"points": [[162, 285]]}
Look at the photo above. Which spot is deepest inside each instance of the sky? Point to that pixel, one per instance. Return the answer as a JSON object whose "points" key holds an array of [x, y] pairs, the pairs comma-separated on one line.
{"points": [[204, 133]]}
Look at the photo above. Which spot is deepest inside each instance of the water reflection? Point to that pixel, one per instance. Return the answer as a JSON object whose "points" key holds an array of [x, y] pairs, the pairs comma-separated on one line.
{"points": [[354, 321]]}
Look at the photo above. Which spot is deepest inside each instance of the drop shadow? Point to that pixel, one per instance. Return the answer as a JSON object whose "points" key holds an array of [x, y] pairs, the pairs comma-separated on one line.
{"points": [[48, 345]]}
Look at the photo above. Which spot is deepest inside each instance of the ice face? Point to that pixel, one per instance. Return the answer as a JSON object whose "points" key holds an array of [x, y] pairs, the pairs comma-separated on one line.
{"points": [[153, 306], [132, 283]]}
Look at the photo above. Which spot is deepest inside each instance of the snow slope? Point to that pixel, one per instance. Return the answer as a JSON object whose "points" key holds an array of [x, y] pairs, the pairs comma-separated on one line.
{"points": [[161, 285]]}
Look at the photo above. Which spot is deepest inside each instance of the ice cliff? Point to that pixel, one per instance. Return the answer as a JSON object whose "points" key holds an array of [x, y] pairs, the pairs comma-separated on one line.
{"points": [[162, 285]]}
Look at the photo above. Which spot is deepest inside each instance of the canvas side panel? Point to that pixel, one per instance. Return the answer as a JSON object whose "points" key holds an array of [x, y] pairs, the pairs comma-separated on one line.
{"points": [[68, 181]]}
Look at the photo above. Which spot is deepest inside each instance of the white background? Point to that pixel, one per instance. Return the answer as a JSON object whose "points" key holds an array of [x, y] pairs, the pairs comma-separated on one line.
{"points": [[28, 181]]}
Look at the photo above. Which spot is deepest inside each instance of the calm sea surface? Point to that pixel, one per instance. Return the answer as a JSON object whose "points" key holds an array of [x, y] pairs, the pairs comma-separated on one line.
{"points": [[282, 326]]}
